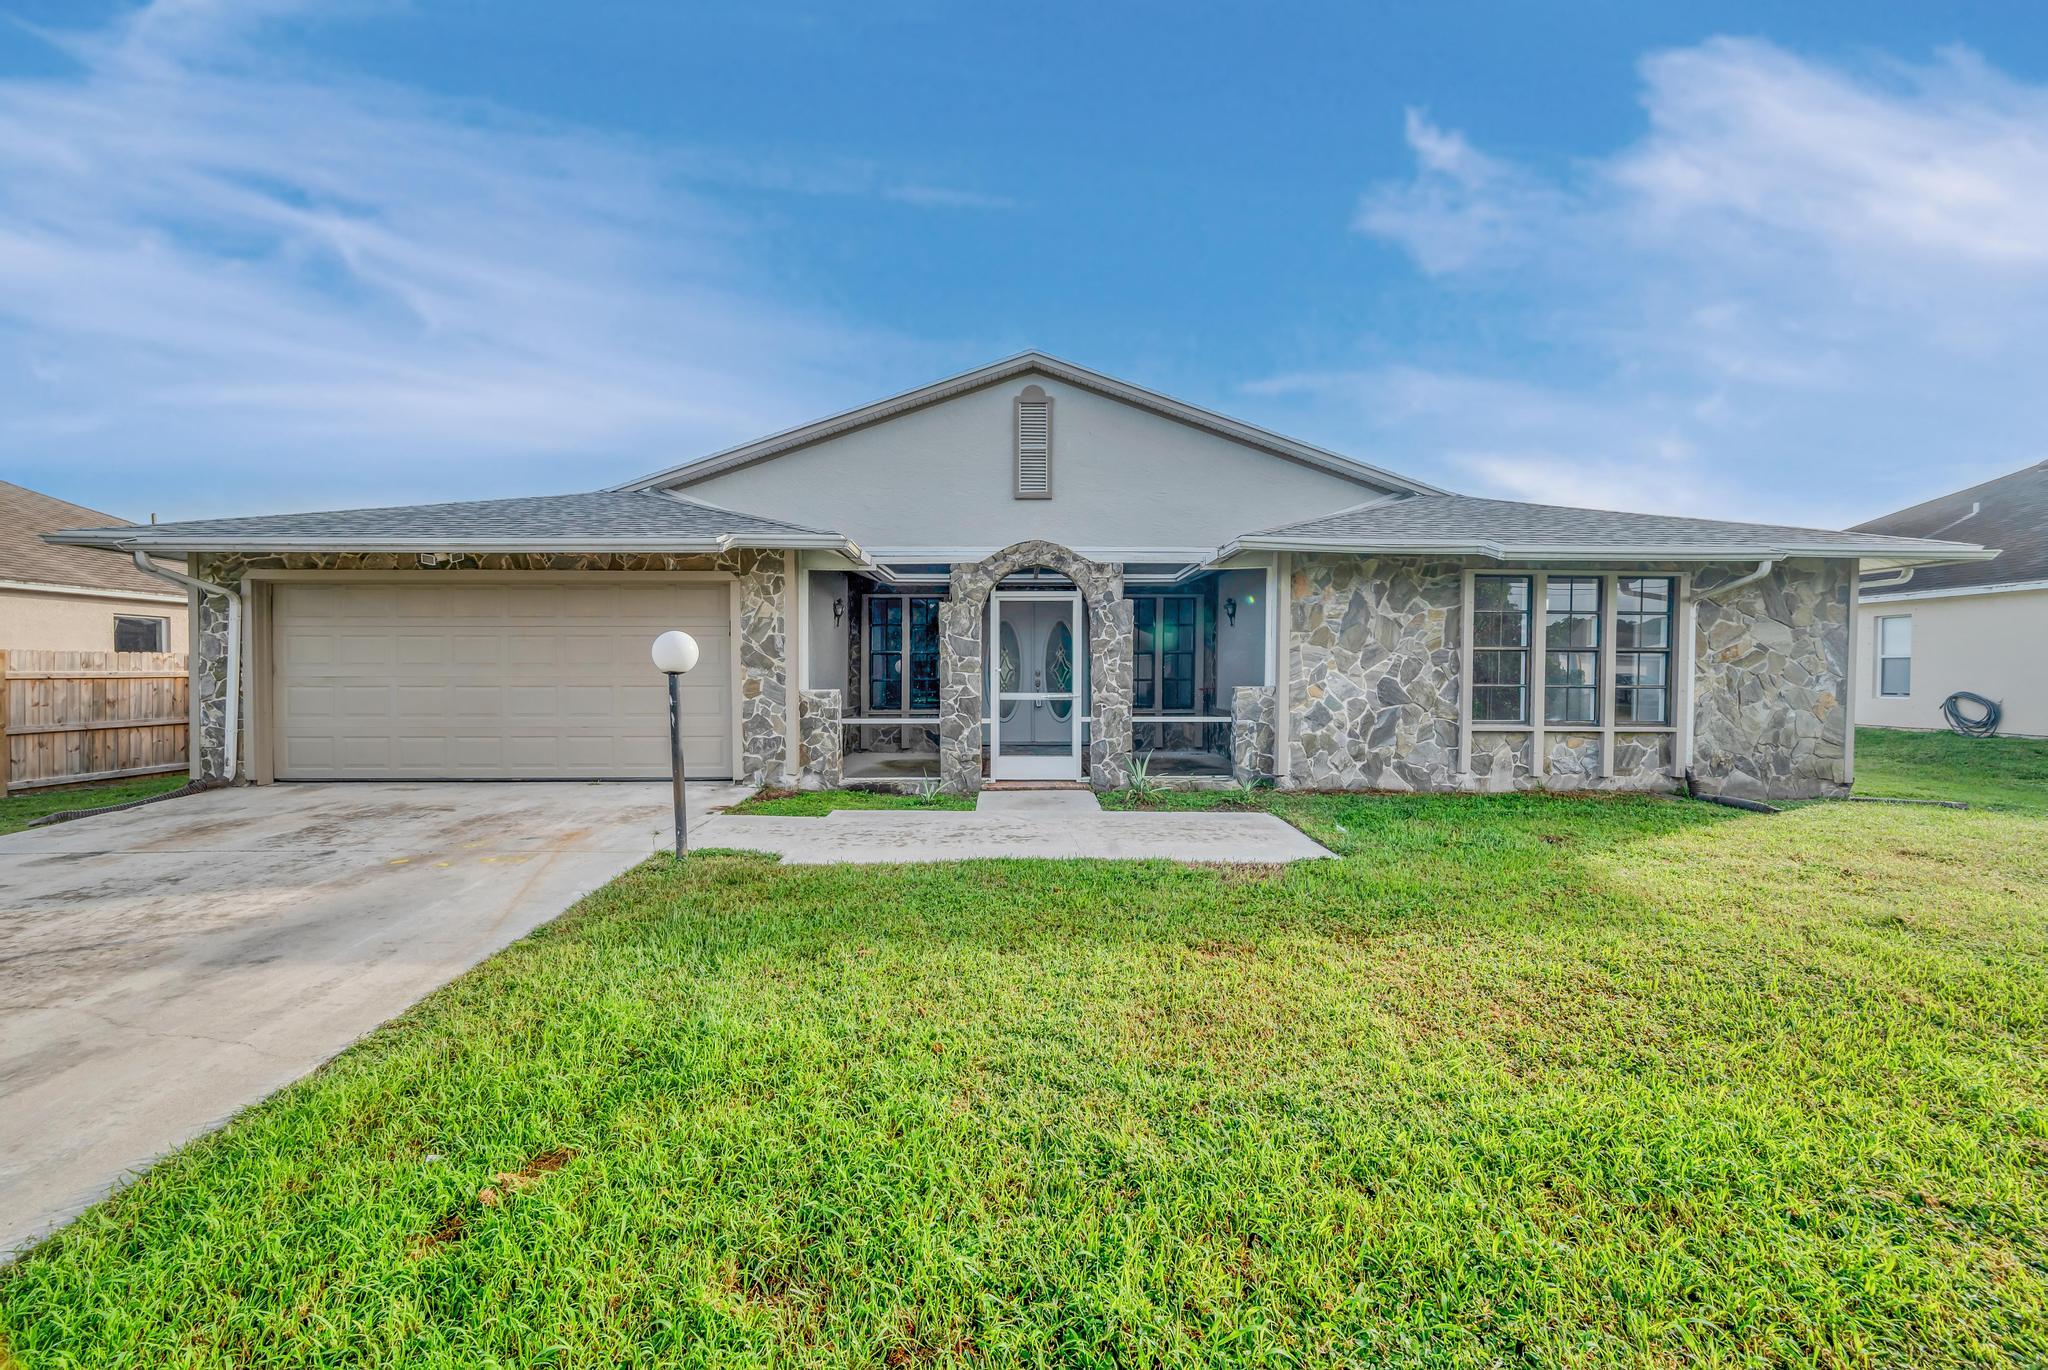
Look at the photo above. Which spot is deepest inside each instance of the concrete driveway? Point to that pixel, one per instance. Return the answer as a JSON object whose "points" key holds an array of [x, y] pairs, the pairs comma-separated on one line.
{"points": [[164, 967]]}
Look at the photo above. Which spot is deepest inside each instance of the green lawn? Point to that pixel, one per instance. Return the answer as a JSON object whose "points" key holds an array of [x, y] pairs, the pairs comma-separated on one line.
{"points": [[1519, 1081], [1991, 772], [17, 811], [815, 803]]}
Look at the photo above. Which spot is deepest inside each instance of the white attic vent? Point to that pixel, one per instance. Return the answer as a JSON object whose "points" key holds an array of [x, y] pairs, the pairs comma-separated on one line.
{"points": [[1034, 444]]}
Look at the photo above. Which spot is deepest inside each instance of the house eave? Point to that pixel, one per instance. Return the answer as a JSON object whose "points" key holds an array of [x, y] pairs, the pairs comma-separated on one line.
{"points": [[486, 546], [40, 587], [2009, 587], [1873, 558]]}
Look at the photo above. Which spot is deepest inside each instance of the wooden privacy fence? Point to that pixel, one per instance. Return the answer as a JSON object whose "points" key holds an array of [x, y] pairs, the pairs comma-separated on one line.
{"points": [[72, 716]]}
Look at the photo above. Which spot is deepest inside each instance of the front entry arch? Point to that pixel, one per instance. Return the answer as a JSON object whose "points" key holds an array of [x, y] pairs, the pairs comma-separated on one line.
{"points": [[962, 620]]}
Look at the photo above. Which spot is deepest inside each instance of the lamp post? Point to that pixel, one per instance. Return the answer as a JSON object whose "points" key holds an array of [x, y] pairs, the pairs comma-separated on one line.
{"points": [[674, 654]]}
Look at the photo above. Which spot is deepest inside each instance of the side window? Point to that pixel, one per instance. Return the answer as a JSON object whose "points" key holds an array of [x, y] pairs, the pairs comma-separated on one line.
{"points": [[1895, 655], [141, 634]]}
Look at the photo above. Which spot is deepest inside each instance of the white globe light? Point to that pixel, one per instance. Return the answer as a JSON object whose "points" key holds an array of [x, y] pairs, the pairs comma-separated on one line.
{"points": [[675, 652]]}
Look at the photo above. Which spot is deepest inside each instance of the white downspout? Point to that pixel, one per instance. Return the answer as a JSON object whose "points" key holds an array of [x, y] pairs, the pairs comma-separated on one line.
{"points": [[231, 747], [1899, 576], [1692, 652]]}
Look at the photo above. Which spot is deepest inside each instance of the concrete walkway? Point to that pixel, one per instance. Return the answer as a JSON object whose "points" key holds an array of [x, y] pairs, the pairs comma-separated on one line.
{"points": [[1058, 824], [165, 967]]}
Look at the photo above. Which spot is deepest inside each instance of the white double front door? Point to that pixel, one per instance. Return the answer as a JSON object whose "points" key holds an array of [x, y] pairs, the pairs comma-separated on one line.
{"points": [[1037, 685]]}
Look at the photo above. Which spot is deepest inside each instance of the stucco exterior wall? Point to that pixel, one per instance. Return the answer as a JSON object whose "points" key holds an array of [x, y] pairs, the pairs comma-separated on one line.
{"points": [[761, 640], [1995, 645], [40, 622], [1122, 478], [1373, 686]]}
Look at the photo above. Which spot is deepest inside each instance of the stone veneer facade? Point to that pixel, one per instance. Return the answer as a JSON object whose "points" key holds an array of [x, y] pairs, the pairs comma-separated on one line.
{"points": [[1373, 693], [763, 632]]}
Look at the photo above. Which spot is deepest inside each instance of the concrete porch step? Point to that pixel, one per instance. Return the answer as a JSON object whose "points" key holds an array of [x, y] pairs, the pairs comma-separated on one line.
{"points": [[1065, 799]]}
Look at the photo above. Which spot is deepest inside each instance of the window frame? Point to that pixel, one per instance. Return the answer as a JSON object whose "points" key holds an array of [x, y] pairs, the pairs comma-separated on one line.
{"points": [[1527, 651], [868, 654], [1678, 688], [163, 632], [1882, 657], [1601, 676], [1157, 657], [1668, 653]]}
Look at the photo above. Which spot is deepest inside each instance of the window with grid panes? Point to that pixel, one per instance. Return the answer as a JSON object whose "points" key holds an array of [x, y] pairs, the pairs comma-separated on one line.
{"points": [[1571, 650], [1500, 649], [1642, 649]]}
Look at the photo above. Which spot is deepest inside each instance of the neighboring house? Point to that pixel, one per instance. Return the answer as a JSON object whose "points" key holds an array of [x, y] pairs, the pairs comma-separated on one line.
{"points": [[70, 599], [1980, 626], [1031, 571]]}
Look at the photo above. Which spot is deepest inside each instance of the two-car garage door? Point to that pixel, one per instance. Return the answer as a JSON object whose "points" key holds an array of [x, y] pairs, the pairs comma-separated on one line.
{"points": [[451, 679]]}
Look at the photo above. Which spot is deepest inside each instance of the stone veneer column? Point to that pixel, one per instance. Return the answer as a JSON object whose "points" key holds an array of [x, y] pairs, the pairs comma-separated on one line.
{"points": [[823, 753], [764, 683], [1251, 733], [960, 678], [209, 670]]}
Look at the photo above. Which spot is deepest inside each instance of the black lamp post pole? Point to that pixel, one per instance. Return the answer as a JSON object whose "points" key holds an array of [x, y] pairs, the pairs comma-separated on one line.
{"points": [[675, 753]]}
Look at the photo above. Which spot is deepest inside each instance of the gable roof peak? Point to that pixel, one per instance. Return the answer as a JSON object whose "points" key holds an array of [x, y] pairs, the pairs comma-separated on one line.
{"points": [[1008, 368]]}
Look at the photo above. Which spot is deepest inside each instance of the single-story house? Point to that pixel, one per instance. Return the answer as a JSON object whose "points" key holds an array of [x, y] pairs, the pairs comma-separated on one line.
{"points": [[1980, 627], [69, 599], [1030, 571]]}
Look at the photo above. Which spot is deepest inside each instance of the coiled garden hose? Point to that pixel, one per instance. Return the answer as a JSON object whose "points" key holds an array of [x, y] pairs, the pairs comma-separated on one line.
{"points": [[1984, 725]]}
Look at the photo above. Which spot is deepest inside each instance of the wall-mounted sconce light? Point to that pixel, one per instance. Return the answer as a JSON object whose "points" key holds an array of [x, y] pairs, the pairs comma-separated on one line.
{"points": [[838, 611], [1230, 610]]}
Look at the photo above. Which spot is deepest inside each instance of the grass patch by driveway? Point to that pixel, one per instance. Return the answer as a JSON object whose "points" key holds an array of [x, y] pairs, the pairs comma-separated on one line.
{"points": [[17, 811], [1518, 1080]]}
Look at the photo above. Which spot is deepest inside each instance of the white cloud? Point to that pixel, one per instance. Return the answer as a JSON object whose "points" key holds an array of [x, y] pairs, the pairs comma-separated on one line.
{"points": [[212, 261], [1827, 284]]}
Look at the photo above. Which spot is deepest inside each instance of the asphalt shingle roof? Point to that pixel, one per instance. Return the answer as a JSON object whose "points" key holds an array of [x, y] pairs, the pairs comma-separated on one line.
{"points": [[2012, 516], [601, 520], [25, 515], [1506, 527]]}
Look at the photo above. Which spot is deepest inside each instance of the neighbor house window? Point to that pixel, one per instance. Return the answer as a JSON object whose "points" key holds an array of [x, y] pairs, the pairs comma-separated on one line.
{"points": [[1166, 659], [1895, 655], [1571, 650], [1642, 649], [903, 654], [1500, 649], [141, 634]]}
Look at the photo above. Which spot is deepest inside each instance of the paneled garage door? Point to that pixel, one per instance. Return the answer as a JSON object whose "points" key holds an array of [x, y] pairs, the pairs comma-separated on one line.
{"points": [[494, 679]]}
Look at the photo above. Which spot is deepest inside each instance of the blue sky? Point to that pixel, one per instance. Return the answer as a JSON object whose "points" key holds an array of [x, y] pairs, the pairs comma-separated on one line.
{"points": [[1785, 262]]}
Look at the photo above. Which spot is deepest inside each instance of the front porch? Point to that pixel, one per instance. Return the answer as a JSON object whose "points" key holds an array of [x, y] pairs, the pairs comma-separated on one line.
{"points": [[1100, 671]]}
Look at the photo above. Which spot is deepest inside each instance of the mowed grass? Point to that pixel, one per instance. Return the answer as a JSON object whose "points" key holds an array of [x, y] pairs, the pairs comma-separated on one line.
{"points": [[1519, 1081], [817, 803], [1991, 772], [17, 811]]}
